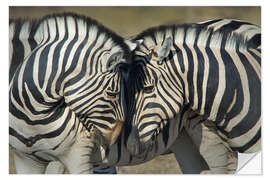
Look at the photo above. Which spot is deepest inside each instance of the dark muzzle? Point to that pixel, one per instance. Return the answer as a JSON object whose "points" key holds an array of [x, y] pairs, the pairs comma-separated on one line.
{"points": [[133, 142]]}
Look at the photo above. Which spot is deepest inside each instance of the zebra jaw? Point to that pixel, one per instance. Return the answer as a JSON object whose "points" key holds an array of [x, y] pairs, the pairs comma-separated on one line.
{"points": [[135, 145], [112, 137], [103, 140]]}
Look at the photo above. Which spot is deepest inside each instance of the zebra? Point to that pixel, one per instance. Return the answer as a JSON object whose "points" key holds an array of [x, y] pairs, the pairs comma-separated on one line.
{"points": [[65, 97], [201, 75]]}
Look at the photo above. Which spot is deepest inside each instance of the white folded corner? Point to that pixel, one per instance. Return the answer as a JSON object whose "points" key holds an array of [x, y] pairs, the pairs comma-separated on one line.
{"points": [[249, 163]]}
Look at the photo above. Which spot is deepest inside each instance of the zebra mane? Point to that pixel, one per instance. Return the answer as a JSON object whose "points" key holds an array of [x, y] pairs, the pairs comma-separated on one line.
{"points": [[194, 34], [24, 30], [33, 28]]}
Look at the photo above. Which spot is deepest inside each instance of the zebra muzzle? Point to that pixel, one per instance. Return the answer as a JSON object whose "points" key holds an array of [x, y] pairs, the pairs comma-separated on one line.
{"points": [[133, 142]]}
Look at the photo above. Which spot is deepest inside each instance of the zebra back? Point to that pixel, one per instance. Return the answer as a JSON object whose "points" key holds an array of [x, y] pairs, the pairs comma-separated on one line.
{"points": [[250, 32]]}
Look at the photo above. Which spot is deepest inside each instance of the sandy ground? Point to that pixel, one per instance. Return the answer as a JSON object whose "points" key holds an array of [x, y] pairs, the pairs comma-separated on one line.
{"points": [[165, 164]]}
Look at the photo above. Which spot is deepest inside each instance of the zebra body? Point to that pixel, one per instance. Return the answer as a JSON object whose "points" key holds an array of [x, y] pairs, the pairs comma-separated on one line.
{"points": [[208, 72], [65, 96]]}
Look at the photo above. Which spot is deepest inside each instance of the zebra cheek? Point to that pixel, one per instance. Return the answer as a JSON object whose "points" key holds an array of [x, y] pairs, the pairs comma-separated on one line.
{"points": [[115, 133]]}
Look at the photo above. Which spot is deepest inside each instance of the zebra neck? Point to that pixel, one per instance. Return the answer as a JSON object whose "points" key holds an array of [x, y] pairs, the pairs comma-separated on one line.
{"points": [[47, 74], [189, 72]]}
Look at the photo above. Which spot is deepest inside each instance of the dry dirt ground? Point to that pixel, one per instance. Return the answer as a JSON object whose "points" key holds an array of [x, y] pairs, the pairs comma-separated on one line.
{"points": [[165, 164]]}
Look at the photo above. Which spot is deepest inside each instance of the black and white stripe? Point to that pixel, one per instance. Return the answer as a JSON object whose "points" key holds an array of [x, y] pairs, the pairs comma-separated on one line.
{"points": [[209, 69], [64, 78], [23, 39]]}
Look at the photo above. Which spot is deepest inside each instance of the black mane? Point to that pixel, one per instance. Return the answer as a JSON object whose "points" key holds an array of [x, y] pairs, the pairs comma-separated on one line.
{"points": [[225, 32], [89, 22]]}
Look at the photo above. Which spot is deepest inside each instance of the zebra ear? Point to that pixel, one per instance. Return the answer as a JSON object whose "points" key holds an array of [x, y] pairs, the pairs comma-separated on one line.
{"points": [[164, 50], [132, 44], [114, 59]]}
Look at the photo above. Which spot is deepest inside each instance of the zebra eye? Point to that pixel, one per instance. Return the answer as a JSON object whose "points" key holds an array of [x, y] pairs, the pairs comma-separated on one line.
{"points": [[148, 89], [111, 95], [154, 53], [160, 62]]}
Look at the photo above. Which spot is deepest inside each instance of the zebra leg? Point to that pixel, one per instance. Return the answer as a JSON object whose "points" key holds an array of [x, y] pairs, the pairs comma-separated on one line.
{"points": [[187, 155], [216, 152], [232, 162], [25, 165], [55, 167], [87, 149]]}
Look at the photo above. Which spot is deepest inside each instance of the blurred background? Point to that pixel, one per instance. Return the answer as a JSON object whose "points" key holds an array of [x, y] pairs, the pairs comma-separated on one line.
{"points": [[128, 21]]}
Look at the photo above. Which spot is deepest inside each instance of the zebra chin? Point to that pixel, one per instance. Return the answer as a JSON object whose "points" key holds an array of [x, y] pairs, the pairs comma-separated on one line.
{"points": [[134, 145]]}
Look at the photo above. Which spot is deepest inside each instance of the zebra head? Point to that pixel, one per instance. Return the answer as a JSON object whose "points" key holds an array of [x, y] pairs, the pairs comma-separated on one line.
{"points": [[103, 101], [155, 95]]}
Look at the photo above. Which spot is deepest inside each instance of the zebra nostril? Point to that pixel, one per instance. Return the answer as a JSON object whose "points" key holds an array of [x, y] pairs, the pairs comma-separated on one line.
{"points": [[133, 142]]}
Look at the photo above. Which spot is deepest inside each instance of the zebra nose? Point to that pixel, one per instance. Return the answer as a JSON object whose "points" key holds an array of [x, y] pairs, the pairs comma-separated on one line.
{"points": [[133, 142]]}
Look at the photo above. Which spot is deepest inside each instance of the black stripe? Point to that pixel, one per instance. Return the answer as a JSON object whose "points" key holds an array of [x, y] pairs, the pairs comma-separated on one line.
{"points": [[231, 85], [190, 72], [151, 105], [149, 123], [148, 133], [200, 73], [119, 147], [180, 58], [253, 141], [173, 72], [165, 133], [14, 90], [233, 25], [254, 112], [255, 41], [257, 58], [209, 22], [97, 124], [20, 137], [68, 134], [212, 81], [38, 157], [18, 51], [98, 106], [170, 96], [43, 59], [110, 120], [33, 29]]}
